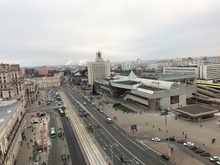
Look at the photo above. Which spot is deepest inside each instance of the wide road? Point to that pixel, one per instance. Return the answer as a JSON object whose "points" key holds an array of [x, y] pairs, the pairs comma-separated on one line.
{"points": [[113, 139], [74, 149]]}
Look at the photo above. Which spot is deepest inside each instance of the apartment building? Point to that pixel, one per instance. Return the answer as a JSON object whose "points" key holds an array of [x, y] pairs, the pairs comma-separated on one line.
{"points": [[181, 70], [209, 71], [47, 82], [98, 69], [12, 132], [31, 90], [11, 82], [43, 70]]}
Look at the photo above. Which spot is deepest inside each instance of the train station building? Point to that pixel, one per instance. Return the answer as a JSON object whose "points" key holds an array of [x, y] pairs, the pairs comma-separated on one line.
{"points": [[153, 94]]}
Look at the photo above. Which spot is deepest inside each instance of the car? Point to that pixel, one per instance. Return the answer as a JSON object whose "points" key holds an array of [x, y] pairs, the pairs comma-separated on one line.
{"points": [[165, 156], [205, 154], [181, 141], [124, 159], [218, 162], [84, 103], [199, 151], [214, 159], [48, 103], [156, 139], [101, 111], [170, 139], [188, 144], [194, 147]]}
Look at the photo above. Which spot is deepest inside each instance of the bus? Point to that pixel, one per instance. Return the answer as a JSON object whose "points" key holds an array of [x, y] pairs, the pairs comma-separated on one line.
{"points": [[61, 112], [52, 132]]}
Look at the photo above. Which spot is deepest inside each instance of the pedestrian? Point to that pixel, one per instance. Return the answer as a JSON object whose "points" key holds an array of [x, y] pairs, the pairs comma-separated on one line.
{"points": [[183, 133], [153, 126], [146, 123], [29, 157], [159, 129], [201, 125]]}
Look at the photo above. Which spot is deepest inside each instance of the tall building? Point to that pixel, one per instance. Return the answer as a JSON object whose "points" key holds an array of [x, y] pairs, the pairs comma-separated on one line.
{"points": [[98, 69], [12, 134], [43, 70], [209, 71], [126, 66], [29, 71], [11, 82]]}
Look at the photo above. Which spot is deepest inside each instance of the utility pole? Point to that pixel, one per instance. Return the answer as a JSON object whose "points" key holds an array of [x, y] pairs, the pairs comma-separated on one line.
{"points": [[168, 144]]}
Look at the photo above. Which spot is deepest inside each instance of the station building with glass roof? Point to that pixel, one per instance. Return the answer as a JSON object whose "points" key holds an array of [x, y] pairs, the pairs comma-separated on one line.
{"points": [[151, 93]]}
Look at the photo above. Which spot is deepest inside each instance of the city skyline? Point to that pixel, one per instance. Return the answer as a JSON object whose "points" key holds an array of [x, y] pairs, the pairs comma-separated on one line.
{"points": [[53, 32]]}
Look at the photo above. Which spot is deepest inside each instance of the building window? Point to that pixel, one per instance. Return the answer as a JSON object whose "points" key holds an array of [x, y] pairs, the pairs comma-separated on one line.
{"points": [[174, 99]]}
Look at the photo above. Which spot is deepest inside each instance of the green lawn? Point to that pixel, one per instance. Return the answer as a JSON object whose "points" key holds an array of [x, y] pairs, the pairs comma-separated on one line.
{"points": [[123, 108]]}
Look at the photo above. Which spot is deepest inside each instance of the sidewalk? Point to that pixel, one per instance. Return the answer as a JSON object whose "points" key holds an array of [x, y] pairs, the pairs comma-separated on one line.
{"points": [[196, 134], [26, 155]]}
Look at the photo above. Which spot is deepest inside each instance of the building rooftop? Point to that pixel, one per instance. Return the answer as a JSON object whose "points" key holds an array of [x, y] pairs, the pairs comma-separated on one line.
{"points": [[127, 82], [7, 109], [195, 109]]}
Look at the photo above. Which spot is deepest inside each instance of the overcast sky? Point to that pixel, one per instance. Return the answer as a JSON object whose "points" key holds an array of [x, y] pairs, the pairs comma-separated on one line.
{"points": [[51, 32]]}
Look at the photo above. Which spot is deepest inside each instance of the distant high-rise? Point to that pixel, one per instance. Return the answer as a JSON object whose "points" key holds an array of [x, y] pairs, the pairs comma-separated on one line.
{"points": [[43, 70], [29, 71], [98, 69]]}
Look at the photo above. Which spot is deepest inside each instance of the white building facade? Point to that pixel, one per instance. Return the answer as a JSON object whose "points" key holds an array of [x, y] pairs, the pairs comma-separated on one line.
{"points": [[209, 71], [98, 69], [181, 70]]}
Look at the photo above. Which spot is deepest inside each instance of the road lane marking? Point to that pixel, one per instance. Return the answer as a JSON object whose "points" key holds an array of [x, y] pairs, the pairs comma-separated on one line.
{"points": [[151, 155], [162, 162]]}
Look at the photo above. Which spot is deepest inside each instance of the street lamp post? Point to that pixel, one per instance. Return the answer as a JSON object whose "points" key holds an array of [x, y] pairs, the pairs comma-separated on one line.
{"points": [[128, 126], [165, 115], [168, 144]]}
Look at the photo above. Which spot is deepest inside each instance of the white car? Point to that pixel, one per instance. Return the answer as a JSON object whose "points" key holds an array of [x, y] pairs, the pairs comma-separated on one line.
{"points": [[84, 103], [218, 162], [188, 144], [156, 139], [214, 158]]}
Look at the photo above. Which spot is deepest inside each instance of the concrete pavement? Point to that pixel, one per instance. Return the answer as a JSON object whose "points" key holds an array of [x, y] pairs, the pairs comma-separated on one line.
{"points": [[201, 136]]}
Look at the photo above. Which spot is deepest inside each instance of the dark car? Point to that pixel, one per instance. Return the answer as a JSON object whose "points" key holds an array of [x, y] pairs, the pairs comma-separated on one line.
{"points": [[170, 139], [48, 103], [124, 159], [194, 147], [165, 156], [199, 151], [205, 154], [181, 141]]}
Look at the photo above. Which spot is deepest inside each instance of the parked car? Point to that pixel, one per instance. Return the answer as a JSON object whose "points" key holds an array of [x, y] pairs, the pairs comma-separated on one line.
{"points": [[170, 139], [218, 162], [194, 147], [181, 141], [188, 144], [205, 154], [165, 156], [48, 103], [199, 151], [214, 159], [156, 139]]}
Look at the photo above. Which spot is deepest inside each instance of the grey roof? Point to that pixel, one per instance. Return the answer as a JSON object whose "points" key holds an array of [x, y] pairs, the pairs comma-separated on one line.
{"points": [[7, 109]]}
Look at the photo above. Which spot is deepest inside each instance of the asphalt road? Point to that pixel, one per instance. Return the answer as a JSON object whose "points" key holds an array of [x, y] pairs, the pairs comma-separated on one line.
{"points": [[55, 151], [74, 149], [113, 138]]}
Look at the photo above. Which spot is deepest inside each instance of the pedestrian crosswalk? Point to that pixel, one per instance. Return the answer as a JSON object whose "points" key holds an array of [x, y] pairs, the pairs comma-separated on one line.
{"points": [[149, 147]]}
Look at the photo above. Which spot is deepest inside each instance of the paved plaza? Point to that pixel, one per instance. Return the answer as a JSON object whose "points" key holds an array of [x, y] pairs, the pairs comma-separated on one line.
{"points": [[149, 123]]}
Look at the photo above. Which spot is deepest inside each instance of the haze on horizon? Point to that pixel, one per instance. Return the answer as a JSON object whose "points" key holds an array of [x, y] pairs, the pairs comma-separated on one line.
{"points": [[52, 32]]}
